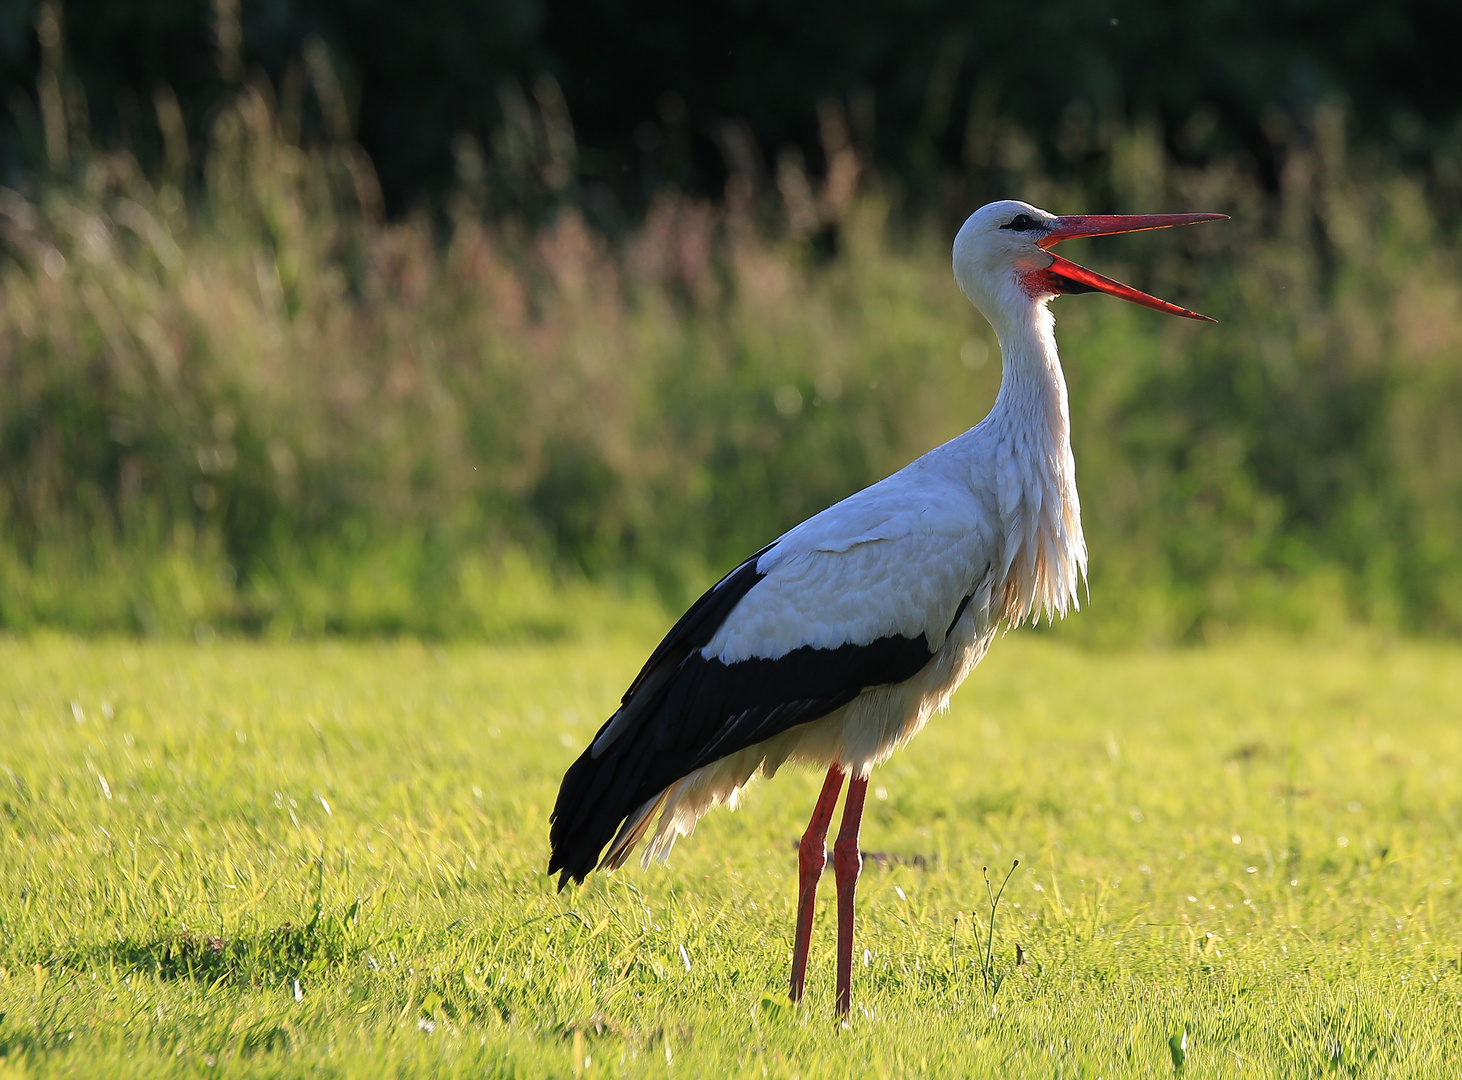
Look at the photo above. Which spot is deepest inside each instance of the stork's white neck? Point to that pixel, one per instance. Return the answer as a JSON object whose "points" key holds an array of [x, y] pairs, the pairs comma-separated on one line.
{"points": [[1040, 512], [1032, 385]]}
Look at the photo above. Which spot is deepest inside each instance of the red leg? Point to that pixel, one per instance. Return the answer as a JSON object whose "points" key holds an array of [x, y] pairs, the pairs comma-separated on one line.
{"points": [[811, 858], [848, 861]]}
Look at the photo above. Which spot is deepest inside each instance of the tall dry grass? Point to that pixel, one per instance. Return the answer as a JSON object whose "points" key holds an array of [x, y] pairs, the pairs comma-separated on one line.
{"points": [[248, 401]]}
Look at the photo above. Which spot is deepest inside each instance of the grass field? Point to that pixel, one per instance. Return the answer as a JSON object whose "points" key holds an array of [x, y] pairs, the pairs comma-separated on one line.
{"points": [[271, 860]]}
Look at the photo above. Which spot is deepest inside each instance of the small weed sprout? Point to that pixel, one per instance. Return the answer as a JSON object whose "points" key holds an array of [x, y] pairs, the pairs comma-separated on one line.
{"points": [[991, 978], [1178, 1051]]}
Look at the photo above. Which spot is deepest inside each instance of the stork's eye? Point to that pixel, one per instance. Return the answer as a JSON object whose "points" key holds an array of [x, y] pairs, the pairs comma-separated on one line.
{"points": [[1020, 223]]}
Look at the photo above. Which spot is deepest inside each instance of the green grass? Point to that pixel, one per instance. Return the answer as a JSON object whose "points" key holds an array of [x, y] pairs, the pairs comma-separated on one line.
{"points": [[1255, 844]]}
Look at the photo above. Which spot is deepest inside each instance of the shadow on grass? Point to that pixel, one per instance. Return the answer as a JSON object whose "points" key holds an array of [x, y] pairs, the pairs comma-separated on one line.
{"points": [[269, 957]]}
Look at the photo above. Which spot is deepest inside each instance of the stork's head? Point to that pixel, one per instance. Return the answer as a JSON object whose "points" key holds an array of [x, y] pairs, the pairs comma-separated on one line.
{"points": [[1002, 263]]}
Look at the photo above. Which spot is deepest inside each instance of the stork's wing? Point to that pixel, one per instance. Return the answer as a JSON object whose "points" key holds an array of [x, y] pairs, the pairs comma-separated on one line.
{"points": [[861, 595]]}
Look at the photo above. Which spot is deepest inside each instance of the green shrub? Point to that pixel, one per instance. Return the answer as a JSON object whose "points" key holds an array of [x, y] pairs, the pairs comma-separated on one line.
{"points": [[256, 405]]}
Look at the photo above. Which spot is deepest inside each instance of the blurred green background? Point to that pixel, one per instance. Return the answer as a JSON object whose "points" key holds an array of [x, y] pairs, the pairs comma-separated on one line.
{"points": [[520, 319]]}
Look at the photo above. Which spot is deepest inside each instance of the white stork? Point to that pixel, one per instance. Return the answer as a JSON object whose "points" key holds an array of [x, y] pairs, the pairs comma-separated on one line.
{"points": [[832, 645]]}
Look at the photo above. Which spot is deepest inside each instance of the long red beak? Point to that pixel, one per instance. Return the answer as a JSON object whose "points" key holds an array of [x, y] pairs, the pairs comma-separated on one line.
{"points": [[1064, 276]]}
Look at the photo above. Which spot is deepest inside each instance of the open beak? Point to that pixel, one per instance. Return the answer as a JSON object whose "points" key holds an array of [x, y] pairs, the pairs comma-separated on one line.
{"points": [[1064, 276]]}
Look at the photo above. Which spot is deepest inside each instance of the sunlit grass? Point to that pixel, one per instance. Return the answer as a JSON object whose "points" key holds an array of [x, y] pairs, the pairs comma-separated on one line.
{"points": [[326, 859]]}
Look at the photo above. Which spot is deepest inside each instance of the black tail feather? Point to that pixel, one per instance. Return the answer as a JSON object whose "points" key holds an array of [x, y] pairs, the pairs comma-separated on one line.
{"points": [[596, 796]]}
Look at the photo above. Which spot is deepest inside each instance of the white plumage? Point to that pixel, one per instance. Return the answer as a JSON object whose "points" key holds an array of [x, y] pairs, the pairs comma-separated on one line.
{"points": [[993, 512], [835, 644]]}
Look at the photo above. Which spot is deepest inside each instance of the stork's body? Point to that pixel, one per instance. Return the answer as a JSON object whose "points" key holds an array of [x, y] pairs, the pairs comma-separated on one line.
{"points": [[833, 645]]}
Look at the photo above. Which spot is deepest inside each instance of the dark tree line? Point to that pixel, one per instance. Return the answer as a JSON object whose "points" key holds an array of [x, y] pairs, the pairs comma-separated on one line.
{"points": [[658, 89]]}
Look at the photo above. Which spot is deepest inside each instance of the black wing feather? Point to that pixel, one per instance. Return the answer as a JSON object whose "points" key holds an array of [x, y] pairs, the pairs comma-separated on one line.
{"points": [[688, 711], [699, 624]]}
